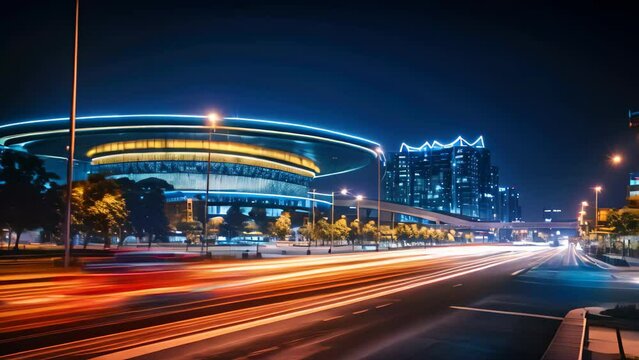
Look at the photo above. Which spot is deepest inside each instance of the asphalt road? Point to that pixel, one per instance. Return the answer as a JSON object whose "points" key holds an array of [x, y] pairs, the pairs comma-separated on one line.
{"points": [[490, 302]]}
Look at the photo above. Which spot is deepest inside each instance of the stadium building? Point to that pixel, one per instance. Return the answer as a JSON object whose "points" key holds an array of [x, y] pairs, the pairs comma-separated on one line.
{"points": [[254, 163]]}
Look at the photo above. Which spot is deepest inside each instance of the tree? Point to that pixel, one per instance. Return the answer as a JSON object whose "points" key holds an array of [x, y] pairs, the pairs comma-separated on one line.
{"points": [[23, 183], [369, 231], [355, 230], [282, 226], [145, 201], [213, 226], [98, 207], [53, 209], [425, 234], [191, 230], [625, 223], [387, 232], [404, 232], [414, 232], [440, 235], [258, 214], [341, 229], [322, 230], [306, 231], [235, 219], [249, 227]]}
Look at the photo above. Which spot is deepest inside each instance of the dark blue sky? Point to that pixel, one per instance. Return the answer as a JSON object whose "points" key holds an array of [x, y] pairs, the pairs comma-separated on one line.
{"points": [[548, 86]]}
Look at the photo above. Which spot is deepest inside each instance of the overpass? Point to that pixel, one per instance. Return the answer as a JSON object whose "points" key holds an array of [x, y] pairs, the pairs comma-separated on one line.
{"points": [[452, 220]]}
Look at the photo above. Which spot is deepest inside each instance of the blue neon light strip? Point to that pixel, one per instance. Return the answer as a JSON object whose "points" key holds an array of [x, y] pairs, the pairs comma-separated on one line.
{"points": [[192, 117], [40, 121], [460, 141], [248, 194]]}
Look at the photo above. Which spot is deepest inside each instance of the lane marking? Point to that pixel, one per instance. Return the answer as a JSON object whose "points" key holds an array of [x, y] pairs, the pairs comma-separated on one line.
{"points": [[518, 272], [383, 305], [360, 312], [333, 318], [457, 285], [258, 352], [539, 316]]}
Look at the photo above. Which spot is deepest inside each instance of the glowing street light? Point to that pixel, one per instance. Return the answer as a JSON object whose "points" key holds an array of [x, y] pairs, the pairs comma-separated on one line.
{"points": [[582, 213], [597, 190], [213, 118], [616, 159]]}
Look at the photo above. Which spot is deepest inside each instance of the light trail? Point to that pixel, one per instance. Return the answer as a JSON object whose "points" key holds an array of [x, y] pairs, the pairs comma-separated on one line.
{"points": [[316, 283]]}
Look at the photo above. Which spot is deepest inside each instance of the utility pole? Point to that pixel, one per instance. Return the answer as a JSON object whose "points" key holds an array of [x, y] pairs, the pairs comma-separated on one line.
{"points": [[71, 152]]}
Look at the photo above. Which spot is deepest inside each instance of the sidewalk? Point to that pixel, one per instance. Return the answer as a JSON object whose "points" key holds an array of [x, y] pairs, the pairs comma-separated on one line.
{"points": [[585, 333]]}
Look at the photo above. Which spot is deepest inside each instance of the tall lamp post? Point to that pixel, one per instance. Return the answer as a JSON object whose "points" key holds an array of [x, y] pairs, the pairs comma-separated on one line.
{"points": [[358, 198], [314, 201], [213, 119], [71, 153], [379, 196], [582, 212], [597, 190], [330, 249]]}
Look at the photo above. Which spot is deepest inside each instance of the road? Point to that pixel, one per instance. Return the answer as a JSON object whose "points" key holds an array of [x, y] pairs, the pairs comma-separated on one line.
{"points": [[479, 302]]}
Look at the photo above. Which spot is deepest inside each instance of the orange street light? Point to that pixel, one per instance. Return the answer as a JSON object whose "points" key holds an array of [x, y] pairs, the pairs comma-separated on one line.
{"points": [[616, 159], [213, 118], [597, 191]]}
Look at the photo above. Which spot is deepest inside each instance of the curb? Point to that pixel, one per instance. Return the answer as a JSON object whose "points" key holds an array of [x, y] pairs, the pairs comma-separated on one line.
{"points": [[569, 339]]}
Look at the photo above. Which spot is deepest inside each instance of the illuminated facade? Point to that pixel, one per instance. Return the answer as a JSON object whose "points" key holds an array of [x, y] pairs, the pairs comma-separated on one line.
{"points": [[270, 164], [456, 178], [509, 208]]}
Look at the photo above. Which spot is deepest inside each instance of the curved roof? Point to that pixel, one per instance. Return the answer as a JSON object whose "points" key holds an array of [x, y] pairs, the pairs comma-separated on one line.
{"points": [[333, 152]]}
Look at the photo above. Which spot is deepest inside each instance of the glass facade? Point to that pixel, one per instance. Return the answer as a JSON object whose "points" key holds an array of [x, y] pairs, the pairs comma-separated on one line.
{"points": [[509, 209], [188, 175], [456, 179]]}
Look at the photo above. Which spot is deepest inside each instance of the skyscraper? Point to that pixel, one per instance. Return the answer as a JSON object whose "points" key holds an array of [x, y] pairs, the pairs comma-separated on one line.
{"points": [[509, 209], [457, 177]]}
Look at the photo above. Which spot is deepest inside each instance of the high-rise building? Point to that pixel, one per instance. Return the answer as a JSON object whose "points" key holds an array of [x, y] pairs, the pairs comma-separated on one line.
{"points": [[552, 214], [509, 209], [457, 178]]}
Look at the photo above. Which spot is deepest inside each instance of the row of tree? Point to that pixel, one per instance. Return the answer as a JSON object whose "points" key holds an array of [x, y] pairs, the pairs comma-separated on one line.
{"points": [[623, 222], [102, 208], [322, 231]]}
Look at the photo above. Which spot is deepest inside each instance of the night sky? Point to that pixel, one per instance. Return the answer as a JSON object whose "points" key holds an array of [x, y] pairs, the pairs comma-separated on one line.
{"points": [[548, 87]]}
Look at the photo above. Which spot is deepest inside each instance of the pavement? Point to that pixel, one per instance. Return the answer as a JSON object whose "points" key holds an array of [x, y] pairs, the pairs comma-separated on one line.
{"points": [[480, 302]]}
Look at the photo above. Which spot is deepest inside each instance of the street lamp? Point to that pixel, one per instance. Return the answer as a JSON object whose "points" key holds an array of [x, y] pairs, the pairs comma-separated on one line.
{"points": [[616, 159], [582, 212], [313, 201], [71, 153], [358, 198], [212, 119], [597, 190], [330, 249], [379, 152]]}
